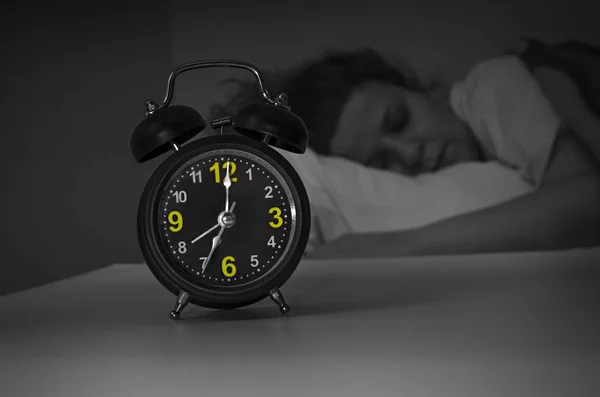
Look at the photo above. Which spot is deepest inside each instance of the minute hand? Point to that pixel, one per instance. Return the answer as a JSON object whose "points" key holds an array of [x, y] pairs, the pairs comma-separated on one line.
{"points": [[215, 243], [227, 184]]}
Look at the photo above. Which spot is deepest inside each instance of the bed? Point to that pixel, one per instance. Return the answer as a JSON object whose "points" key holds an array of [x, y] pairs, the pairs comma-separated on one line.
{"points": [[477, 325]]}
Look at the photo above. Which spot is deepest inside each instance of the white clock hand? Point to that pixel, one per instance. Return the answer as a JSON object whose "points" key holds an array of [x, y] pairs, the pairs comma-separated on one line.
{"points": [[227, 184], [215, 243], [205, 233]]}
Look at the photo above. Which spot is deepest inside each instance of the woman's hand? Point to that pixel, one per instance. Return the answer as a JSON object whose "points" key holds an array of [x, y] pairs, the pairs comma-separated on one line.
{"points": [[562, 92], [371, 245], [569, 103]]}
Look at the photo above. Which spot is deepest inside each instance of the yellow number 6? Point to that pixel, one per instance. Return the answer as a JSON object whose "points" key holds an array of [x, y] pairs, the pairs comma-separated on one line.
{"points": [[228, 268], [175, 219], [277, 216]]}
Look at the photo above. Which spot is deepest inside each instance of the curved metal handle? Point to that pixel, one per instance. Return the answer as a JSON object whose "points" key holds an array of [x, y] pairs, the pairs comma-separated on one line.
{"points": [[215, 63]]}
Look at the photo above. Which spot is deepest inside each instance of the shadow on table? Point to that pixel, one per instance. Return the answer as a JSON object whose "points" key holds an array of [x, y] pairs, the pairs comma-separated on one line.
{"points": [[315, 294]]}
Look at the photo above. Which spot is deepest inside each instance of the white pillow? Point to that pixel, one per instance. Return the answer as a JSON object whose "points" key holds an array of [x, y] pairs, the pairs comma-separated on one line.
{"points": [[507, 110], [348, 197]]}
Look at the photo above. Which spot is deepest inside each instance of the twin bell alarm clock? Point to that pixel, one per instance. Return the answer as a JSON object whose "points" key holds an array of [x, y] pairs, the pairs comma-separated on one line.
{"points": [[224, 220]]}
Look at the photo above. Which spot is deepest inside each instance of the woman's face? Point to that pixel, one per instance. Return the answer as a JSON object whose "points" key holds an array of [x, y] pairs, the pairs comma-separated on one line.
{"points": [[389, 127]]}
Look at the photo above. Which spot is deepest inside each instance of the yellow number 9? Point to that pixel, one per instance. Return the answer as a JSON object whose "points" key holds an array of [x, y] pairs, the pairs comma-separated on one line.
{"points": [[176, 220], [277, 215], [228, 268]]}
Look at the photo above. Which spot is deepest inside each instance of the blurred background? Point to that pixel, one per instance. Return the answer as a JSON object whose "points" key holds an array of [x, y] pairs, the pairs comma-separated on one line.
{"points": [[75, 79]]}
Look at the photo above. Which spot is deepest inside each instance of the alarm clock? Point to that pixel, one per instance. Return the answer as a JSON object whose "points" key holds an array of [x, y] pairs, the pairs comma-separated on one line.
{"points": [[224, 220]]}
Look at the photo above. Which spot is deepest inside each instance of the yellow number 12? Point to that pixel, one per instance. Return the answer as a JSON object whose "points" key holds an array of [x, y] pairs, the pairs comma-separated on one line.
{"points": [[215, 168]]}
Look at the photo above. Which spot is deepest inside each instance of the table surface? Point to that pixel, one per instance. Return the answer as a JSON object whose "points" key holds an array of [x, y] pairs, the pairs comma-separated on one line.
{"points": [[482, 325]]}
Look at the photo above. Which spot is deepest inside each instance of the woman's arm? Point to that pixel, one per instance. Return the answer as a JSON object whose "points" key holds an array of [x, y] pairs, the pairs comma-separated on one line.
{"points": [[568, 101], [563, 213]]}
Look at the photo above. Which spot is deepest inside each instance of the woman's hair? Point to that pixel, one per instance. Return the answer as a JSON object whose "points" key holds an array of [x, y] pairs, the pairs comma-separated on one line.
{"points": [[319, 89]]}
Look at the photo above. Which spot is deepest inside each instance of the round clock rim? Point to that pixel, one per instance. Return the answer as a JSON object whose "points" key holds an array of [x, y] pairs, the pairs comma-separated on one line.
{"points": [[161, 265]]}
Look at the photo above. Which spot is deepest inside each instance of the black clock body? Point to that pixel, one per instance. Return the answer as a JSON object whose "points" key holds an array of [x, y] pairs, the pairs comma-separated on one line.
{"points": [[235, 192]]}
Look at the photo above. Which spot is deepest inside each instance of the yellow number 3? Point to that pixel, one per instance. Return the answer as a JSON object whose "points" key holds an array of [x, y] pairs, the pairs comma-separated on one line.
{"points": [[277, 215]]}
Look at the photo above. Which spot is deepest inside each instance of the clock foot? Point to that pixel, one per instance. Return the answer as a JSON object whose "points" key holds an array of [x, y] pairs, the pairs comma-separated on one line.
{"points": [[182, 301], [277, 297]]}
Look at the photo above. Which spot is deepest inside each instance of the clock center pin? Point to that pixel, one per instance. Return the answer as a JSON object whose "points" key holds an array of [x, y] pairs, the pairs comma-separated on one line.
{"points": [[226, 219]]}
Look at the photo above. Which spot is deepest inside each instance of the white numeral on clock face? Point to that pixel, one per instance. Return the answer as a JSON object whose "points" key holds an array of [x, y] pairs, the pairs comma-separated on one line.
{"points": [[249, 172], [180, 196], [254, 260], [197, 177], [269, 190], [271, 241]]}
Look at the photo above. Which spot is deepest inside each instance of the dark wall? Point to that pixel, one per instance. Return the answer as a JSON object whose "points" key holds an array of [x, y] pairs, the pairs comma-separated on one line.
{"points": [[74, 82], [441, 38]]}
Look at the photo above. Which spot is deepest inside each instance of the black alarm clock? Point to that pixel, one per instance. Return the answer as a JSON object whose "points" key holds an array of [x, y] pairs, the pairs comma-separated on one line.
{"points": [[224, 220]]}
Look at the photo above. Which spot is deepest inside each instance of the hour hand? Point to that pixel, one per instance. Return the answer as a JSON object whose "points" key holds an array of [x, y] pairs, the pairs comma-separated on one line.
{"points": [[205, 233]]}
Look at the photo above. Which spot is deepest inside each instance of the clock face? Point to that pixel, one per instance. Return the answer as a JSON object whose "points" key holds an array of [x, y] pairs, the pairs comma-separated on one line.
{"points": [[252, 222]]}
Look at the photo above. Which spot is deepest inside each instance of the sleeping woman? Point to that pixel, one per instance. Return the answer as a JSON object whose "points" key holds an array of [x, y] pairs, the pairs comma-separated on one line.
{"points": [[358, 106]]}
